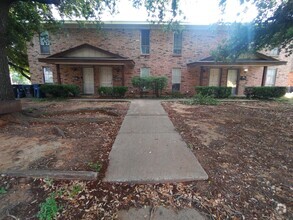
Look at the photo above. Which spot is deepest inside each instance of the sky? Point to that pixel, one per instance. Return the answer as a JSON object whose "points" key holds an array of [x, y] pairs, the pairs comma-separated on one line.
{"points": [[196, 12]]}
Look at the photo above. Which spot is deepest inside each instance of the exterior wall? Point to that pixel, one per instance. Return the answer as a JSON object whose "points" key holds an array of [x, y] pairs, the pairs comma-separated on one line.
{"points": [[196, 44]]}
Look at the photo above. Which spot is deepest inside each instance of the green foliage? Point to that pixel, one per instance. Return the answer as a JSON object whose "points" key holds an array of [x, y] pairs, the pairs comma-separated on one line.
{"points": [[200, 99], [263, 92], [76, 189], [214, 91], [272, 28], [115, 91], [48, 181], [154, 83], [63, 91], [2, 191], [95, 166], [49, 208], [177, 95]]}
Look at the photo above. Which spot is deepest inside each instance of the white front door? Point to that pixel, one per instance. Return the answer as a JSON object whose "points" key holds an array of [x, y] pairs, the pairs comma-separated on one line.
{"points": [[106, 76], [88, 80], [232, 80]]}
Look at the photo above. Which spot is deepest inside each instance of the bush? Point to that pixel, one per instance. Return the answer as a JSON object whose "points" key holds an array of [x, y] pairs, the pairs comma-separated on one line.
{"points": [[200, 99], [63, 91], [49, 208], [155, 83], [116, 91], [262, 92], [220, 92]]}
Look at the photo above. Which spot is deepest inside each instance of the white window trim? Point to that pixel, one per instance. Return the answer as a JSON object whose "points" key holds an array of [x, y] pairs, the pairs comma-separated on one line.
{"points": [[174, 44], [219, 76], [141, 45]]}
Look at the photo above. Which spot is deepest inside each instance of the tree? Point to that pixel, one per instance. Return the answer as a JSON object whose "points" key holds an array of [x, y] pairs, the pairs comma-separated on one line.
{"points": [[21, 19], [273, 27]]}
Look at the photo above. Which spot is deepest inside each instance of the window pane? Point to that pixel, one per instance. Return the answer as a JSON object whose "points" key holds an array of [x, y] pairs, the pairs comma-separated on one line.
{"points": [[214, 77], [271, 77], [145, 72], [44, 42], [145, 41], [177, 44], [176, 79], [48, 75]]}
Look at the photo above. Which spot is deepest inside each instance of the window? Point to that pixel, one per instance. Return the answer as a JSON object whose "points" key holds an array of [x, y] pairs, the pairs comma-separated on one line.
{"points": [[145, 72], [177, 44], [214, 77], [274, 52], [48, 75], [271, 77], [176, 79], [44, 43], [145, 41]]}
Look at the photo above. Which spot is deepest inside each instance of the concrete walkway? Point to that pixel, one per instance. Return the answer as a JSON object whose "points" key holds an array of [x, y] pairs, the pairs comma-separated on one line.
{"points": [[149, 150]]}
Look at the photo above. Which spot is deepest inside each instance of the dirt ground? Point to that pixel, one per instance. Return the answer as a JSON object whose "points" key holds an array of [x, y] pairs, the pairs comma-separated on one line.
{"points": [[246, 149], [65, 135]]}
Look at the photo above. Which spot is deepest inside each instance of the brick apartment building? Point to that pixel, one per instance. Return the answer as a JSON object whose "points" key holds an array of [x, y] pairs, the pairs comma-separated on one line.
{"points": [[111, 57]]}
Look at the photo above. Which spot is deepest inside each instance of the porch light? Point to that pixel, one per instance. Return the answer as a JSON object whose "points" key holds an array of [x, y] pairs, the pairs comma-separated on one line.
{"points": [[245, 69]]}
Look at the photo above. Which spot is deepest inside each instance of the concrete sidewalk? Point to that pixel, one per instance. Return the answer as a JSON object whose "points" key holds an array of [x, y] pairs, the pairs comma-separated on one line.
{"points": [[149, 150]]}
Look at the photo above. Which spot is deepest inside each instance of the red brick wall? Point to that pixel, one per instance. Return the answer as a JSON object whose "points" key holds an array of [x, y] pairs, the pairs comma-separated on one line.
{"points": [[197, 44]]}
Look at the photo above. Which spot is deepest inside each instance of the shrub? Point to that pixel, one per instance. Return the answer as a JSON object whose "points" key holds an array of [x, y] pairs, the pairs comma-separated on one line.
{"points": [[155, 83], [116, 91], [49, 208], [64, 91], [262, 92], [200, 99], [177, 95], [214, 91]]}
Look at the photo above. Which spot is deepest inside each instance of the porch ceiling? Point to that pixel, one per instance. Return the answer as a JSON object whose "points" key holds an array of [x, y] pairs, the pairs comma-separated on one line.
{"points": [[256, 59]]}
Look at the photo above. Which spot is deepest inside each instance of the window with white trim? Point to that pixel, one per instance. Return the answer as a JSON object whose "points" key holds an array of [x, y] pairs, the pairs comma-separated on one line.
{"points": [[214, 79], [48, 75], [271, 77], [145, 72], [145, 41], [176, 79], [177, 43], [44, 43]]}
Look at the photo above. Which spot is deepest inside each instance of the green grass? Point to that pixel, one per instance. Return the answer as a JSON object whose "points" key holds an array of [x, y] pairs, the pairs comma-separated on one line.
{"points": [[95, 166], [49, 208], [2, 191], [201, 100], [285, 100]]}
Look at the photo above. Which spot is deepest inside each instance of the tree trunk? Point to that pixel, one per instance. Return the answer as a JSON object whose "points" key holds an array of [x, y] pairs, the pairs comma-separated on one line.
{"points": [[6, 91]]}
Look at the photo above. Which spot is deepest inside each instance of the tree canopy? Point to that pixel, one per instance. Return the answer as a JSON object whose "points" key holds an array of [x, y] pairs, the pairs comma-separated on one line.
{"points": [[273, 27]]}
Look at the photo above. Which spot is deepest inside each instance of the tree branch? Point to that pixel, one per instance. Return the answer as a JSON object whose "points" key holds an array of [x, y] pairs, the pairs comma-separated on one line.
{"points": [[22, 70]]}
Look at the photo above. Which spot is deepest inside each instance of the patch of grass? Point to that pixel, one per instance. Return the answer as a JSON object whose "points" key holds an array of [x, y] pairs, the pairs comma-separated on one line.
{"points": [[201, 100], [285, 100], [95, 166], [2, 191], [49, 208], [76, 189]]}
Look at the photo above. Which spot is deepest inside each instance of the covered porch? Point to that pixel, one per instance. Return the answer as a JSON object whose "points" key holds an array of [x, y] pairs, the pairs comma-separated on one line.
{"points": [[248, 70], [89, 67]]}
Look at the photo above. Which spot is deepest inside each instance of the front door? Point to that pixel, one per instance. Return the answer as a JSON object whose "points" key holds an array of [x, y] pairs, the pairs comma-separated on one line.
{"points": [[106, 77], [232, 79], [88, 80]]}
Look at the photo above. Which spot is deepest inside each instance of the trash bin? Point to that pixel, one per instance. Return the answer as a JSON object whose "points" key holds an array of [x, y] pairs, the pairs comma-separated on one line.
{"points": [[29, 91], [18, 91], [37, 91]]}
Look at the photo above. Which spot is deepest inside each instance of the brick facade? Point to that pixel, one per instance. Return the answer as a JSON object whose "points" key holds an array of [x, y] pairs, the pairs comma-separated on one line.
{"points": [[197, 43]]}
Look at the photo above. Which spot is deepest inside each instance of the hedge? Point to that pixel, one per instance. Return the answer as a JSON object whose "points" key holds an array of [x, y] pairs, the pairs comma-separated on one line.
{"points": [[214, 91], [263, 92], [56, 90], [155, 83], [115, 91]]}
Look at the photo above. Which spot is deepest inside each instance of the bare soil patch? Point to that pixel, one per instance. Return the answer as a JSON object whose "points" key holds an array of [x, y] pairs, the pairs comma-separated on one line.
{"points": [[246, 149], [64, 135]]}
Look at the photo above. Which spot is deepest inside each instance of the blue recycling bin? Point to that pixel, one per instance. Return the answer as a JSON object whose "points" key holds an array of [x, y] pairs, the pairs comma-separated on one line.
{"points": [[37, 91]]}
